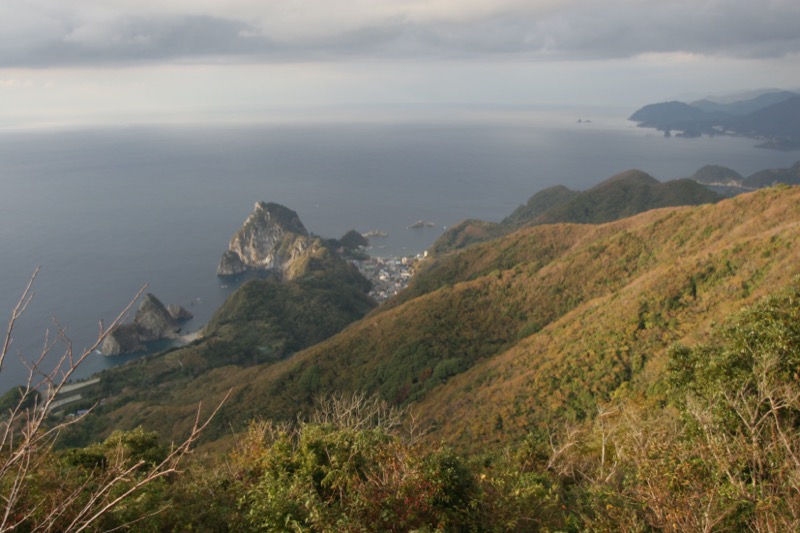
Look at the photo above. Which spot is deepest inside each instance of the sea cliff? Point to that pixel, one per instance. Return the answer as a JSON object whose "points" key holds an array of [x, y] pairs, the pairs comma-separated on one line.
{"points": [[272, 238], [153, 321]]}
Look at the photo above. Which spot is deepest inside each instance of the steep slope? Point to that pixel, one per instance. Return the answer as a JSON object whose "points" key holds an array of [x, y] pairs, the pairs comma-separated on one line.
{"points": [[465, 233], [512, 334], [695, 266], [730, 183], [264, 321], [153, 321], [272, 238]]}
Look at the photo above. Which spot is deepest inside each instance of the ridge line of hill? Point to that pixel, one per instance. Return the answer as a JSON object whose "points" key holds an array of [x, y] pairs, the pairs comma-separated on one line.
{"points": [[583, 312]]}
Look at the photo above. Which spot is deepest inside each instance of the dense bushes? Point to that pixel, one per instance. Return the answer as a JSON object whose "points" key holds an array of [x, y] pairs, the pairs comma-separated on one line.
{"points": [[589, 425], [718, 450]]}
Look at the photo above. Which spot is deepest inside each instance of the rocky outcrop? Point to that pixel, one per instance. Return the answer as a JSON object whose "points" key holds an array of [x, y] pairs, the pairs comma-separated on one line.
{"points": [[153, 317], [231, 264], [271, 239], [179, 313], [153, 321]]}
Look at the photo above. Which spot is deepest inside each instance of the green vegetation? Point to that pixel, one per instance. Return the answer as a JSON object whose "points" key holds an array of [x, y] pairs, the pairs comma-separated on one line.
{"points": [[465, 233], [562, 377], [263, 322], [717, 174], [623, 195], [713, 447], [539, 204], [353, 239], [534, 328], [270, 318], [18, 398], [349, 246]]}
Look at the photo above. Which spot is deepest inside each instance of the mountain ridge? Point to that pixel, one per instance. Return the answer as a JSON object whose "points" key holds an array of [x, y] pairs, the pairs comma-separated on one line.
{"points": [[744, 106], [587, 310], [729, 182], [624, 194]]}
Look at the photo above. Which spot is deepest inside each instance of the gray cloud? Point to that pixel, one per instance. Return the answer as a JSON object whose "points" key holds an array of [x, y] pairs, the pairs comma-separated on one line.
{"points": [[736, 28], [134, 39], [569, 29]]}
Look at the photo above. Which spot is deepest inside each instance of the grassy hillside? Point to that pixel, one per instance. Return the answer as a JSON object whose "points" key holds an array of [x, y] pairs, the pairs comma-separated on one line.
{"points": [[626, 194], [715, 449], [509, 335], [669, 275], [467, 232], [539, 204]]}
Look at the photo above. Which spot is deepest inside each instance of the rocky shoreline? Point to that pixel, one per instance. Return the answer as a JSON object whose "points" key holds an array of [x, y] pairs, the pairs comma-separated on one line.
{"points": [[272, 239], [153, 322]]}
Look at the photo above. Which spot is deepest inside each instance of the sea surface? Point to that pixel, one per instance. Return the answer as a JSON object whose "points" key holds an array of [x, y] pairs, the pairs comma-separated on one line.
{"points": [[104, 211]]}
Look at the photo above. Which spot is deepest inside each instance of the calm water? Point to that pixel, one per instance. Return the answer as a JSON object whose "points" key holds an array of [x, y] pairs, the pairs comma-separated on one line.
{"points": [[105, 211]]}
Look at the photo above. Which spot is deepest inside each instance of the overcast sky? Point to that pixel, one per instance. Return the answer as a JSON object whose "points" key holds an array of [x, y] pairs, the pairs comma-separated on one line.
{"points": [[118, 60]]}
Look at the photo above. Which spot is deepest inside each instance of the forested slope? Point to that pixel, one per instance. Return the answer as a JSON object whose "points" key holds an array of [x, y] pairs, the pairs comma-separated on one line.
{"points": [[509, 335]]}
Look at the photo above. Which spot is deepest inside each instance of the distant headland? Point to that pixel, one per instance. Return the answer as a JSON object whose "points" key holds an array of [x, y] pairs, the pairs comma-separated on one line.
{"points": [[772, 117]]}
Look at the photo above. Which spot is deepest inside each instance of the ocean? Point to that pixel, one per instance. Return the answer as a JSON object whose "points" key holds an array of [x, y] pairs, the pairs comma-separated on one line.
{"points": [[105, 210]]}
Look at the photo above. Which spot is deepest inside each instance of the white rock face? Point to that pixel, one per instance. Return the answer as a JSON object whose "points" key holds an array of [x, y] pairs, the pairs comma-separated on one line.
{"points": [[271, 238]]}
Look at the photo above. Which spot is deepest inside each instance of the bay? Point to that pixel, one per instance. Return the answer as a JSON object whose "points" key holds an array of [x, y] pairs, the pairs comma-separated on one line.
{"points": [[105, 210]]}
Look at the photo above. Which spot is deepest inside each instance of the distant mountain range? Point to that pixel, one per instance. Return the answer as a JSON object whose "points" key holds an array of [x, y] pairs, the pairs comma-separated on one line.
{"points": [[622, 195], [773, 117]]}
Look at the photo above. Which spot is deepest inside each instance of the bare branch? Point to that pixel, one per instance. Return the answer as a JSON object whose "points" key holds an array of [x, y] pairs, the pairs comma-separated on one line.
{"points": [[168, 466], [26, 440], [19, 309]]}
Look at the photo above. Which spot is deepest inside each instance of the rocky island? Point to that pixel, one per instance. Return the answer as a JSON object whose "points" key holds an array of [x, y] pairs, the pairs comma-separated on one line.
{"points": [[419, 224], [153, 321], [271, 239]]}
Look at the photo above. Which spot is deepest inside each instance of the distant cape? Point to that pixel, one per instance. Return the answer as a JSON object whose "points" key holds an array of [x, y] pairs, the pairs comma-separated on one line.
{"points": [[772, 117]]}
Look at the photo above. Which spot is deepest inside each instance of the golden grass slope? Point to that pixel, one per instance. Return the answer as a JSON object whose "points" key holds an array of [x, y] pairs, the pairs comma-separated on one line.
{"points": [[696, 265], [528, 329]]}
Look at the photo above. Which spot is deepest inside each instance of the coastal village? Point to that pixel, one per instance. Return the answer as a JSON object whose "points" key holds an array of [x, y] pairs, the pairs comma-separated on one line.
{"points": [[389, 275]]}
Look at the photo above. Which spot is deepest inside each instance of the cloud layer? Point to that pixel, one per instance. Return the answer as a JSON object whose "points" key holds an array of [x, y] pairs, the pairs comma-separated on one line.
{"points": [[41, 33]]}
